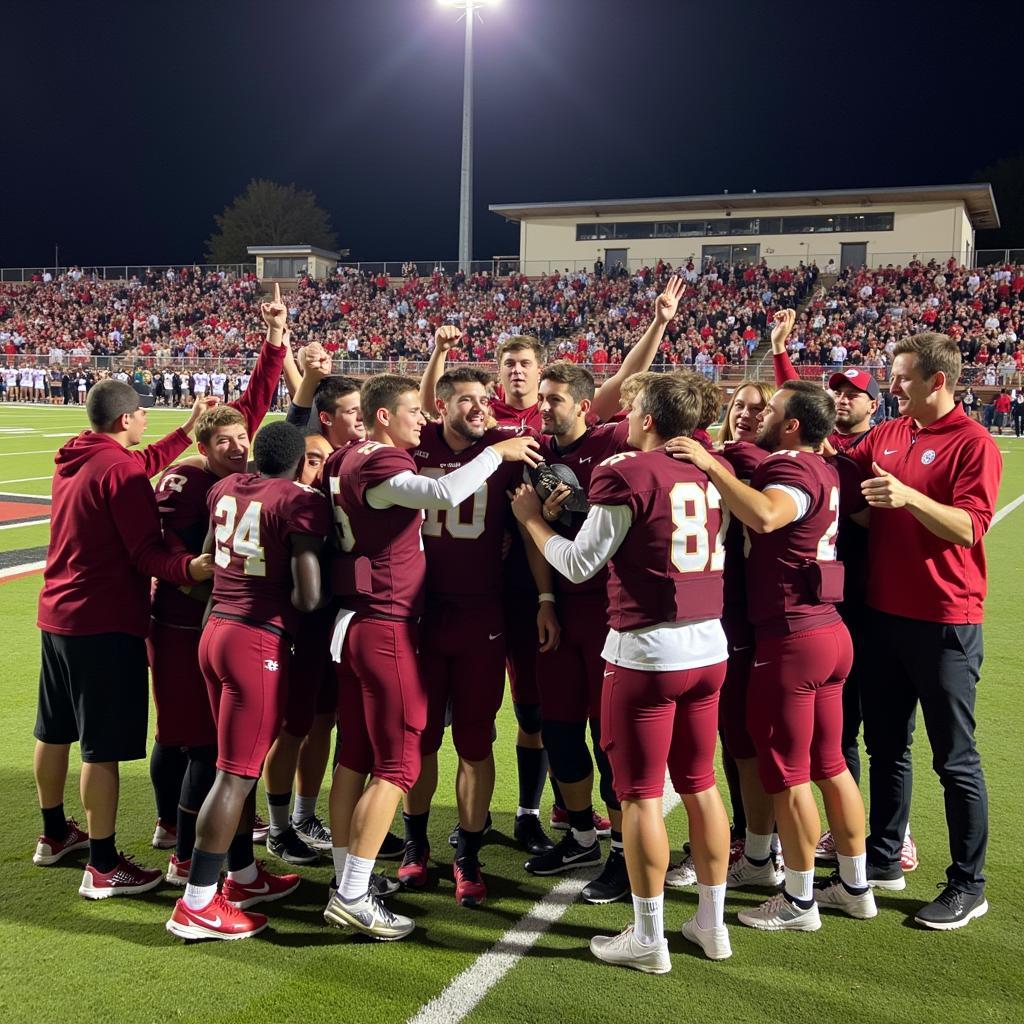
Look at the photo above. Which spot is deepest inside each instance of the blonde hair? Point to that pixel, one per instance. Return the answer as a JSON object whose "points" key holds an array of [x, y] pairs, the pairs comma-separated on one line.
{"points": [[765, 390]]}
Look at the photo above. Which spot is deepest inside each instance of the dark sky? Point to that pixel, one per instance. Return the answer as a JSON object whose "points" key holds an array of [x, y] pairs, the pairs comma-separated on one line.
{"points": [[128, 124]]}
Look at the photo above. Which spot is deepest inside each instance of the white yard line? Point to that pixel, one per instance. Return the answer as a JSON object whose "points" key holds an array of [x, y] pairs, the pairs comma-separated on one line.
{"points": [[1006, 510], [462, 994], [26, 480], [28, 522], [41, 451]]}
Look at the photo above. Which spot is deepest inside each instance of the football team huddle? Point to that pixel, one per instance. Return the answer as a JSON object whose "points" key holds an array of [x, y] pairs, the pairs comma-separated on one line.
{"points": [[377, 562]]}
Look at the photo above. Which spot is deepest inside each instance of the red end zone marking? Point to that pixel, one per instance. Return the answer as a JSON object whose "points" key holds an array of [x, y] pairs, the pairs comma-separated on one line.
{"points": [[11, 510]]}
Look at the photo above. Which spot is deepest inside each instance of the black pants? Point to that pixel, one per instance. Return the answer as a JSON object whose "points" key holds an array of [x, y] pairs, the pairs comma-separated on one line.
{"points": [[938, 665], [854, 615]]}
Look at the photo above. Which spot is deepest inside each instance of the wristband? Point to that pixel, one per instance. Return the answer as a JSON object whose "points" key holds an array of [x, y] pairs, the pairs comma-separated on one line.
{"points": [[545, 597]]}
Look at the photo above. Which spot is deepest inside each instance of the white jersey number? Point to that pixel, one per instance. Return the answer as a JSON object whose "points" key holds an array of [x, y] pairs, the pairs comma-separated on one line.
{"points": [[827, 544], [693, 547], [244, 539], [346, 538], [432, 524]]}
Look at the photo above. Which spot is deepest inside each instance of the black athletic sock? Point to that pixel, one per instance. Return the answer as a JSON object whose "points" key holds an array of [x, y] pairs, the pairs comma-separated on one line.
{"points": [[802, 904], [582, 821], [240, 853], [205, 868], [103, 854], [55, 825], [186, 839], [469, 844], [416, 827], [559, 801], [166, 770], [616, 840], [533, 770]]}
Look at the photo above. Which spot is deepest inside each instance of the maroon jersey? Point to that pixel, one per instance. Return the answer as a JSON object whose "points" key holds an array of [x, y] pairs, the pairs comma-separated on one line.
{"points": [[463, 547], [182, 491], [744, 458], [793, 578], [381, 570], [507, 416], [583, 456], [669, 567], [253, 518]]}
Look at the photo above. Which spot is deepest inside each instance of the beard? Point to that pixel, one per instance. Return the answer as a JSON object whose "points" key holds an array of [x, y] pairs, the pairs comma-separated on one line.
{"points": [[769, 437], [468, 431]]}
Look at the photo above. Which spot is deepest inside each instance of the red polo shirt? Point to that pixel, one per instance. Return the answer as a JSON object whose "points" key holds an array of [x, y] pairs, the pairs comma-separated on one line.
{"points": [[911, 571]]}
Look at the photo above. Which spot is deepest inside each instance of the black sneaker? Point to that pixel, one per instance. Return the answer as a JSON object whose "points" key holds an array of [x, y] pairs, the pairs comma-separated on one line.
{"points": [[568, 854], [890, 878], [952, 908], [612, 884], [287, 846], [531, 836], [392, 848], [313, 832], [453, 836]]}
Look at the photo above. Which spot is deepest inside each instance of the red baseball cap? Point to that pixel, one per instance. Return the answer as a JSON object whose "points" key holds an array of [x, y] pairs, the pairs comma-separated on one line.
{"points": [[860, 379]]}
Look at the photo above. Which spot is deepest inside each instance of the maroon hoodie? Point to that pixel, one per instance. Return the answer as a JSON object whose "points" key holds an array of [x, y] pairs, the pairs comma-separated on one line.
{"points": [[105, 539]]}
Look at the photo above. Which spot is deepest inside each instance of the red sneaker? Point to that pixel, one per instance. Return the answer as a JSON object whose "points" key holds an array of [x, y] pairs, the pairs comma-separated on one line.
{"points": [[560, 821], [217, 920], [49, 851], [265, 889], [470, 890], [908, 854], [260, 830], [126, 878], [177, 871], [165, 835], [736, 848], [412, 872]]}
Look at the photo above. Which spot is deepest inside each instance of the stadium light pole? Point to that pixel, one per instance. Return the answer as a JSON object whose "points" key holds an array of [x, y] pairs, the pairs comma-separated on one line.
{"points": [[469, 7]]}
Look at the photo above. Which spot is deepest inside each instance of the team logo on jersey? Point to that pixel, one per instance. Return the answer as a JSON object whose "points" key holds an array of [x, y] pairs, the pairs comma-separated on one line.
{"points": [[270, 665], [928, 457]]}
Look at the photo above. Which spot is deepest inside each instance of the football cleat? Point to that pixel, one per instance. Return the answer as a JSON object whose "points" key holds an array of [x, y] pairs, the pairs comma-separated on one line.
{"points": [[470, 890], [260, 830], [49, 851], [566, 856], [287, 846], [746, 873], [369, 916], [265, 889], [530, 835], [217, 920], [830, 892], [826, 849], [164, 836], [625, 950], [453, 836], [177, 871], [313, 832], [779, 914], [714, 941], [612, 884], [126, 878], [392, 848], [908, 854], [560, 822], [412, 872]]}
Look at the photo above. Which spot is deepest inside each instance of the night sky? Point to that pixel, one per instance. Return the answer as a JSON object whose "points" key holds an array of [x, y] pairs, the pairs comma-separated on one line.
{"points": [[128, 125]]}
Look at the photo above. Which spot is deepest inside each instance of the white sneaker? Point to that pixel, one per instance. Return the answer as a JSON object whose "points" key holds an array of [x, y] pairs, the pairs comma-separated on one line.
{"points": [[745, 872], [714, 941], [164, 836], [369, 916], [778, 914], [832, 893], [682, 875], [626, 950]]}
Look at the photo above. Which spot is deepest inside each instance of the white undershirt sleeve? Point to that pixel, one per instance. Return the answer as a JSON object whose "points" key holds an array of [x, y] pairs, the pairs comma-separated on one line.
{"points": [[599, 538], [800, 497], [412, 490]]}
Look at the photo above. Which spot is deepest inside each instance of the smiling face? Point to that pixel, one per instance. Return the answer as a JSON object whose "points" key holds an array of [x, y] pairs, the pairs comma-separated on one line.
{"points": [[747, 405], [465, 413], [911, 388], [345, 423], [405, 423], [558, 412], [227, 450], [772, 422]]}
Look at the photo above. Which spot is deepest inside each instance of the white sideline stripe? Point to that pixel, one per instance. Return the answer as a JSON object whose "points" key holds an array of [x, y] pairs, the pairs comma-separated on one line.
{"points": [[42, 451], [28, 522], [26, 480], [461, 995], [1006, 510], [12, 494], [16, 570]]}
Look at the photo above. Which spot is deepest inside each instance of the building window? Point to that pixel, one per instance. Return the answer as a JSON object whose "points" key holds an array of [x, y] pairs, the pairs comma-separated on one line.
{"points": [[723, 226]]}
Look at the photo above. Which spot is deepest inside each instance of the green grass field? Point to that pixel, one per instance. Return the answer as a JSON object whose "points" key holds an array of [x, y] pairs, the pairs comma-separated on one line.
{"points": [[63, 957]]}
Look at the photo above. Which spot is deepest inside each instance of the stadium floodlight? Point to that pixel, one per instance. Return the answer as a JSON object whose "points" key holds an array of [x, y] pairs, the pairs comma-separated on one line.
{"points": [[469, 7]]}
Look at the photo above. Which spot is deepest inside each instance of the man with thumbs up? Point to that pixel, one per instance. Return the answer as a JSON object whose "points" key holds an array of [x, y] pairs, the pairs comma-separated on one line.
{"points": [[932, 477]]}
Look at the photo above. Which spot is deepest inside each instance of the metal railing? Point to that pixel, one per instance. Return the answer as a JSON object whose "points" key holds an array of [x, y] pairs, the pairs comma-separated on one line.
{"points": [[120, 272]]}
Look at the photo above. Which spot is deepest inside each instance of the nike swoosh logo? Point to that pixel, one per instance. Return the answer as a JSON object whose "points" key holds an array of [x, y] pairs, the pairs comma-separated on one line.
{"points": [[575, 856], [890, 451], [589, 458], [609, 674], [493, 636], [747, 648], [264, 888], [215, 923], [758, 664]]}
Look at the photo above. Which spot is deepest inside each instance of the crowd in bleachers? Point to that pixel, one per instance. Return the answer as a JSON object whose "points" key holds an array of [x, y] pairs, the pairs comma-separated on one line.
{"points": [[184, 315]]}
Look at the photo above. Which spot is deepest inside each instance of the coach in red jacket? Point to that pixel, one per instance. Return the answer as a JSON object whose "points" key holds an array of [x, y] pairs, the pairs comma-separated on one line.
{"points": [[105, 545]]}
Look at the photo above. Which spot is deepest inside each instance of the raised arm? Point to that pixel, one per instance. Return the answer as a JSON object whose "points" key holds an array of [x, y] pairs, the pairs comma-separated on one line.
{"points": [[641, 355], [314, 364], [785, 319], [156, 457], [444, 338]]}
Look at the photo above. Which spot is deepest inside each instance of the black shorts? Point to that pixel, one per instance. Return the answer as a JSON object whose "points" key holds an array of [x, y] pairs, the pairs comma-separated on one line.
{"points": [[95, 690]]}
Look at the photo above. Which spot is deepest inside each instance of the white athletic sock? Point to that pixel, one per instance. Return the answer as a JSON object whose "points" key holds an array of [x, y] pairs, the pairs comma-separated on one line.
{"points": [[198, 896], [246, 876], [776, 845], [649, 919], [757, 847], [710, 905], [355, 877], [854, 870], [305, 807], [339, 854], [587, 837], [520, 811], [800, 884]]}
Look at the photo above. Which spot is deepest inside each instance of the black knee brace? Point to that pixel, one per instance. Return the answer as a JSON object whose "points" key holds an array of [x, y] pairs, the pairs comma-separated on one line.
{"points": [[199, 777], [566, 744], [529, 718]]}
